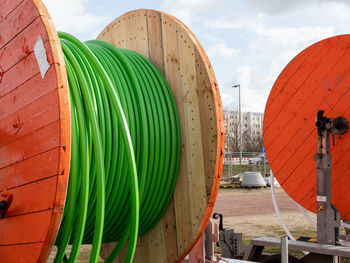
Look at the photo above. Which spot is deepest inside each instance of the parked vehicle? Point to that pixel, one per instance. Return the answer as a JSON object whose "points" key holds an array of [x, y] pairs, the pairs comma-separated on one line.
{"points": [[260, 159]]}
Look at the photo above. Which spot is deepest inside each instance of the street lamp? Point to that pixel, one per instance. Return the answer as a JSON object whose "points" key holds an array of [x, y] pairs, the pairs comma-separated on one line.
{"points": [[240, 122]]}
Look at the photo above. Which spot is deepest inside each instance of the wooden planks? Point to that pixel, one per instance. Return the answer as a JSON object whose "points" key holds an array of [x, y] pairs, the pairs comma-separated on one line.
{"points": [[316, 79], [17, 20], [7, 6], [21, 252], [177, 53], [33, 228], [35, 132], [47, 161], [33, 197], [26, 69], [36, 115], [21, 46]]}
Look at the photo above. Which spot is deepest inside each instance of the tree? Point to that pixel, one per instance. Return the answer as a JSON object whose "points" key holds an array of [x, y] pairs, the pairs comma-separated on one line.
{"points": [[251, 135], [252, 143], [232, 137]]}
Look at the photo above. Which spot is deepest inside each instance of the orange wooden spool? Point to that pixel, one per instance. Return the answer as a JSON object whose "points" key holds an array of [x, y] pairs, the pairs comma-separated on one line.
{"points": [[35, 131], [316, 79]]}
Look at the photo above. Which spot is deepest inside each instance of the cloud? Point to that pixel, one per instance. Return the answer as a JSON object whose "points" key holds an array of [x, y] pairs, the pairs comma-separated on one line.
{"points": [[196, 5], [287, 42], [253, 88], [338, 9], [220, 49], [229, 101], [189, 10], [250, 41], [267, 49], [283, 36], [241, 21], [277, 7], [244, 75], [73, 17], [293, 37], [280, 44]]}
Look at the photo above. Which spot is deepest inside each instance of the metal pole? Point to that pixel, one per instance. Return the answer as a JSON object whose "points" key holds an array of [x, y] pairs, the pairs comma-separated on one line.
{"points": [[284, 250], [240, 122], [230, 166], [255, 164], [328, 217], [240, 125]]}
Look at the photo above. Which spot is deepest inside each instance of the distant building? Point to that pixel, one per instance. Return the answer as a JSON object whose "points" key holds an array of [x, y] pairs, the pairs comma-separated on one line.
{"points": [[252, 124]]}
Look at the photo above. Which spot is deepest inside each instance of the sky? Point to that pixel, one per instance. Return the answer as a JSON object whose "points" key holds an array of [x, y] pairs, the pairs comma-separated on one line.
{"points": [[248, 42]]}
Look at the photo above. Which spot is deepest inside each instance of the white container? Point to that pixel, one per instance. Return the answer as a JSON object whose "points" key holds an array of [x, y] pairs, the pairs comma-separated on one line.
{"points": [[253, 179]]}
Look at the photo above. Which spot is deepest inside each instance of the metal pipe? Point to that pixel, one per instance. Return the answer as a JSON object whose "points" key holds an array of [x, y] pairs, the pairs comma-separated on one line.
{"points": [[275, 206], [284, 249], [240, 122]]}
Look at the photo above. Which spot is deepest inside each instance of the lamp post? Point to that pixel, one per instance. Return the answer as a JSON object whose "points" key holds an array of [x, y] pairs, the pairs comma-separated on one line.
{"points": [[240, 122]]}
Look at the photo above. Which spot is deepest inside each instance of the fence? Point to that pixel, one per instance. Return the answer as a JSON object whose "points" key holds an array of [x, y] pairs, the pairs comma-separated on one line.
{"points": [[256, 159], [233, 157]]}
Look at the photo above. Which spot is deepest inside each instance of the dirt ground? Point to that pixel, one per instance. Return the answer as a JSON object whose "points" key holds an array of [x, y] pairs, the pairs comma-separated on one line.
{"points": [[251, 212]]}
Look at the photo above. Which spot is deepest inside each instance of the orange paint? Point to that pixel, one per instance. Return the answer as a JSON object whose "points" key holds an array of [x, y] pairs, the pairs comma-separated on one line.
{"points": [[34, 132], [6, 6], [316, 79], [21, 252]]}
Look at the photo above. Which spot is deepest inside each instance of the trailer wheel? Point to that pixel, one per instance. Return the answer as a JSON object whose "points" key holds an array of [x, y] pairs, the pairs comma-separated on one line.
{"points": [[277, 259]]}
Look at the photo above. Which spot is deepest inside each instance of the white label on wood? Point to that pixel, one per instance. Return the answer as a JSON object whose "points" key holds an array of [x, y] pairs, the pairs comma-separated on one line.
{"points": [[41, 57], [321, 198]]}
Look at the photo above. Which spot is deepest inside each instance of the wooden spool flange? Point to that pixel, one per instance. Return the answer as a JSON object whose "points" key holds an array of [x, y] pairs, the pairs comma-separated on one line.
{"points": [[35, 130], [316, 79], [173, 48]]}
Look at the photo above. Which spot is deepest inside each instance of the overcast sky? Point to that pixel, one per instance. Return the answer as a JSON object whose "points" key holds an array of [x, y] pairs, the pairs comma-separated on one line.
{"points": [[249, 42]]}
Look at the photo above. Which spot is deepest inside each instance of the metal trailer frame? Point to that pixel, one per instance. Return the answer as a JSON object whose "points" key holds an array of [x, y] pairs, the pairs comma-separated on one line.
{"points": [[256, 246]]}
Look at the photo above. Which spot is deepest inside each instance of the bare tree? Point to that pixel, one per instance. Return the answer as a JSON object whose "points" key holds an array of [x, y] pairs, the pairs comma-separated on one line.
{"points": [[232, 137], [251, 137], [252, 143]]}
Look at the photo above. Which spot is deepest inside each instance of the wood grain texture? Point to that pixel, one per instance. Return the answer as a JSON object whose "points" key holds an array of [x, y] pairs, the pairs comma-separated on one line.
{"points": [[7, 6], [171, 46], [20, 253], [316, 79], [35, 132]]}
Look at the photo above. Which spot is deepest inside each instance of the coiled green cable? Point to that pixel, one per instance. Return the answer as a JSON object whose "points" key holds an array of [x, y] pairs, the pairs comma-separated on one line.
{"points": [[125, 148]]}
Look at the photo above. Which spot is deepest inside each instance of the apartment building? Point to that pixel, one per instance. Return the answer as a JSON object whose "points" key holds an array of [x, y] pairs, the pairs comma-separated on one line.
{"points": [[252, 124]]}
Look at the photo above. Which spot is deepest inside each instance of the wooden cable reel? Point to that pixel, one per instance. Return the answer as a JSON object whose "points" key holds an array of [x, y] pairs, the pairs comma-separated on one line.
{"points": [[316, 79], [35, 130]]}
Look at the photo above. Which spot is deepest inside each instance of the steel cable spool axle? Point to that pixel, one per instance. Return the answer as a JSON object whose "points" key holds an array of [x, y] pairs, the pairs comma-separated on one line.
{"points": [[125, 148]]}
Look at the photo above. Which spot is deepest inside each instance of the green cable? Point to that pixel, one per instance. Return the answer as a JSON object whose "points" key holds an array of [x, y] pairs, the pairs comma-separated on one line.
{"points": [[125, 153]]}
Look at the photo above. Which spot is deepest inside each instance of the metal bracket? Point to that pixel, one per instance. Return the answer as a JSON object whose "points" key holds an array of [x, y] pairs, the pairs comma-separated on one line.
{"points": [[328, 217], [230, 243]]}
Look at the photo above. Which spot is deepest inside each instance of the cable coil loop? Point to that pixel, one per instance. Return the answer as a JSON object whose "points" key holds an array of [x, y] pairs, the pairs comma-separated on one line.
{"points": [[125, 148]]}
